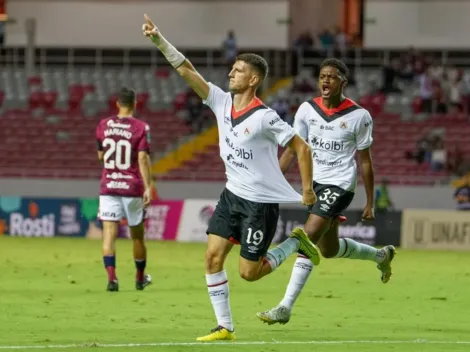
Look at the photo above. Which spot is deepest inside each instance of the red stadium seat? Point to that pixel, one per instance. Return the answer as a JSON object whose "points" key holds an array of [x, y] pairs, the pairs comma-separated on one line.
{"points": [[35, 100], [49, 99]]}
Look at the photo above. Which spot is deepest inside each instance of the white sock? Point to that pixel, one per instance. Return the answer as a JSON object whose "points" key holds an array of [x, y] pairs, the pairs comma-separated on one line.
{"points": [[217, 285], [300, 273], [351, 249], [278, 255]]}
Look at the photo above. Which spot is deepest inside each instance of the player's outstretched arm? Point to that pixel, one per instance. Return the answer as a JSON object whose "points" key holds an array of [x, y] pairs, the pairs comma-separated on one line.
{"points": [[176, 59], [300, 148]]}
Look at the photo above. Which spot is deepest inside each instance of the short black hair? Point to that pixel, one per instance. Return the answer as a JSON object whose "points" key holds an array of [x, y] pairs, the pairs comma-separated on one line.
{"points": [[338, 64], [126, 97], [257, 62]]}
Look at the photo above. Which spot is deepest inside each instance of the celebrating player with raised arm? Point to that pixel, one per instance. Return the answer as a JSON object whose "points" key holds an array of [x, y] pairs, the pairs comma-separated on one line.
{"points": [[335, 127], [248, 209], [124, 147]]}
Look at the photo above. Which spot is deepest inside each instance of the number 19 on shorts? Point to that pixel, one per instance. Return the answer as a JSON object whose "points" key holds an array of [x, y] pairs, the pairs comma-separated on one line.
{"points": [[254, 238]]}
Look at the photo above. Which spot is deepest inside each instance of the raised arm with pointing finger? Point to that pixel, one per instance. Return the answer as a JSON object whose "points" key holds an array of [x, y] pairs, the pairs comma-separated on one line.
{"points": [[176, 59]]}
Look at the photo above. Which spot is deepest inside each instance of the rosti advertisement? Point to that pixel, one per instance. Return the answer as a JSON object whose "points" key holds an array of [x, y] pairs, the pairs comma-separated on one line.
{"points": [[73, 217], [43, 217]]}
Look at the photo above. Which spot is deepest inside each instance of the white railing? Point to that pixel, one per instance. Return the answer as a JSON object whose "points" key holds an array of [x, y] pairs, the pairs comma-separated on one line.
{"points": [[282, 62]]}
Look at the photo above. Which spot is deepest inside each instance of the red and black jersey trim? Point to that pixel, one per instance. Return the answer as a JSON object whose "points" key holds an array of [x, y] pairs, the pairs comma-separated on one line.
{"points": [[237, 117], [330, 115]]}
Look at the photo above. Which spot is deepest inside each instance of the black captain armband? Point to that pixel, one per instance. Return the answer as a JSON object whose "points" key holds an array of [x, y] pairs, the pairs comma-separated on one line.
{"points": [[99, 146]]}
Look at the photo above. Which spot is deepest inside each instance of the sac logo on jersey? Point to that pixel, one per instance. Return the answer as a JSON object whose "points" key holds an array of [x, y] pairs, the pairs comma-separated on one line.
{"points": [[327, 144], [240, 152]]}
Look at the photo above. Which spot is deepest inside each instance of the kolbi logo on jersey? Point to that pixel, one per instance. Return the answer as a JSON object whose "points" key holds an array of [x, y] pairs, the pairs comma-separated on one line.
{"points": [[117, 185], [320, 143], [231, 160], [240, 152]]}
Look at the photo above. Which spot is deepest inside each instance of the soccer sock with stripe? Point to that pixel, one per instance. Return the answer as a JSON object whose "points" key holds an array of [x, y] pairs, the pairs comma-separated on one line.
{"points": [[303, 267], [140, 256], [217, 285], [351, 249], [140, 265], [276, 256], [110, 266]]}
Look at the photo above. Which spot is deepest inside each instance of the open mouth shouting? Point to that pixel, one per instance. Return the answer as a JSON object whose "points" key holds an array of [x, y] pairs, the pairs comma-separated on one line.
{"points": [[325, 90]]}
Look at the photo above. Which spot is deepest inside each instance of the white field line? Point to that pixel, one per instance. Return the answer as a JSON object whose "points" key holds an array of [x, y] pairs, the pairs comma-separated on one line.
{"points": [[239, 343]]}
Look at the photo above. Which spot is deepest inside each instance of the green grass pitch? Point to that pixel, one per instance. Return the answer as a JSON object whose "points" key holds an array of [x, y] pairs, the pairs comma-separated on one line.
{"points": [[52, 292]]}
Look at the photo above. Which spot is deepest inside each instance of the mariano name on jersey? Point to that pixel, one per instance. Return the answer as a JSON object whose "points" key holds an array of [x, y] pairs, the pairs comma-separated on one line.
{"points": [[334, 136], [248, 141]]}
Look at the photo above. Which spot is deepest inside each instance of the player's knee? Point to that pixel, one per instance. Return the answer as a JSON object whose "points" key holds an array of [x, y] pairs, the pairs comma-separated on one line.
{"points": [[214, 261], [137, 233], [249, 274], [310, 230], [108, 242], [328, 251], [313, 232]]}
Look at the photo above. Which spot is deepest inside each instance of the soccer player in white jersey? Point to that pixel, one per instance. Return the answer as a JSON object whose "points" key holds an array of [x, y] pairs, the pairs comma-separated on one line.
{"points": [[248, 209], [335, 127]]}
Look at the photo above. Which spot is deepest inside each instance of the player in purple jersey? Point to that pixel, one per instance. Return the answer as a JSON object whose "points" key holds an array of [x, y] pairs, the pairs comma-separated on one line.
{"points": [[123, 148]]}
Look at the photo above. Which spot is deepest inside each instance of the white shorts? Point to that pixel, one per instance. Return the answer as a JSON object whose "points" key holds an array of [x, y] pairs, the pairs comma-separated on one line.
{"points": [[114, 208]]}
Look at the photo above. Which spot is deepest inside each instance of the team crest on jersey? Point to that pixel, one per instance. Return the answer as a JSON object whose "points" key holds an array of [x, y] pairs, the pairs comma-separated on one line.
{"points": [[343, 125]]}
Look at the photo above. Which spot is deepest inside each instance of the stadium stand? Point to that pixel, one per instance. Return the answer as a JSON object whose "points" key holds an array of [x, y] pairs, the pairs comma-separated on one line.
{"points": [[57, 109], [399, 125], [57, 112]]}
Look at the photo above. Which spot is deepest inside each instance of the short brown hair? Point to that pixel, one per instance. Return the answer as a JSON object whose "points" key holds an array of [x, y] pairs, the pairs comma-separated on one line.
{"points": [[257, 62], [126, 97]]}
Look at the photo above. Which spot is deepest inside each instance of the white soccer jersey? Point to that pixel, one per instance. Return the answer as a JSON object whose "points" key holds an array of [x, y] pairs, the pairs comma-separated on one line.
{"points": [[334, 136], [248, 142]]}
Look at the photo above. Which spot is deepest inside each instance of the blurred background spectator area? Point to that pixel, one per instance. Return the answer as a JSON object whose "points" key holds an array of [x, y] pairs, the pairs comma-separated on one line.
{"points": [[56, 84]]}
